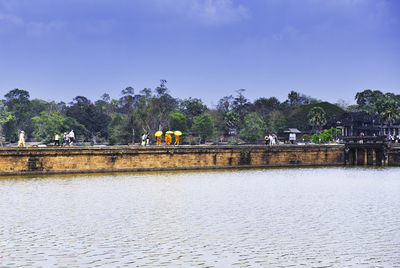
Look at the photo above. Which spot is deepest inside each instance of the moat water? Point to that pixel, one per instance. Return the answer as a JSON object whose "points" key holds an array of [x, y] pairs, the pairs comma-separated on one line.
{"points": [[322, 217]]}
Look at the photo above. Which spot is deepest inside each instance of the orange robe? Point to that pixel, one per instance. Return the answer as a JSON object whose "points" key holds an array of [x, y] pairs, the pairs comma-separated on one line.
{"points": [[176, 139], [168, 139]]}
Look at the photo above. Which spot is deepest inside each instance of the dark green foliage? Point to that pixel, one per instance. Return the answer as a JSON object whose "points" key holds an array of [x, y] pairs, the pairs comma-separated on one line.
{"points": [[264, 106], [367, 100], [253, 128], [276, 121], [375, 102], [118, 129], [177, 121], [10, 129], [299, 117], [317, 117], [17, 102], [326, 136], [91, 116], [297, 99], [47, 124], [203, 126], [192, 107], [124, 120]]}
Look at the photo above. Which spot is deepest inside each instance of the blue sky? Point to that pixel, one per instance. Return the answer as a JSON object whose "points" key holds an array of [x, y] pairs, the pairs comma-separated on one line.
{"points": [[328, 49]]}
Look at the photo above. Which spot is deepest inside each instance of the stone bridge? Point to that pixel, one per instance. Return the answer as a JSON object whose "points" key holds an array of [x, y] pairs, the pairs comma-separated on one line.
{"points": [[371, 150]]}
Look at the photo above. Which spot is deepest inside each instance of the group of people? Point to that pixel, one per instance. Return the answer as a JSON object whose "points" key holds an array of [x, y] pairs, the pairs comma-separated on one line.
{"points": [[158, 134], [68, 138], [271, 139], [393, 138]]}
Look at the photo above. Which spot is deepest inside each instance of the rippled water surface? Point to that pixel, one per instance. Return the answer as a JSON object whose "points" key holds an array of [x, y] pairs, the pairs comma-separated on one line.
{"points": [[328, 217]]}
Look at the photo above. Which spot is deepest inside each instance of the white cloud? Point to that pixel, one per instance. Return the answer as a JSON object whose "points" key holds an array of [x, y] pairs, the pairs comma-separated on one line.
{"points": [[217, 11], [38, 29], [10, 19], [208, 12]]}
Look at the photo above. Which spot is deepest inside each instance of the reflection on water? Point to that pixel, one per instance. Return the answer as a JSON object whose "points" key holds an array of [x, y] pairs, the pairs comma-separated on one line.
{"points": [[331, 217]]}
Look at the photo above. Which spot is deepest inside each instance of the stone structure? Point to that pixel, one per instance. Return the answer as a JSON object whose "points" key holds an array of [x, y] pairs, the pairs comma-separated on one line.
{"points": [[17, 161], [367, 150], [354, 123], [371, 151]]}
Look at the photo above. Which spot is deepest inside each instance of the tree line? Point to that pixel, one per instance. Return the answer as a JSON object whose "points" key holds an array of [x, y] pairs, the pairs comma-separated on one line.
{"points": [[123, 120]]}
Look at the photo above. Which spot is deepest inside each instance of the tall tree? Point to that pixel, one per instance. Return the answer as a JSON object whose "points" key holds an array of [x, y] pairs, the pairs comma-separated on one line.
{"points": [[317, 118], [263, 106], [388, 107], [161, 105], [192, 107], [8, 128], [87, 114], [17, 102], [368, 99], [177, 121], [241, 104], [119, 131], [253, 127], [48, 123], [203, 126]]}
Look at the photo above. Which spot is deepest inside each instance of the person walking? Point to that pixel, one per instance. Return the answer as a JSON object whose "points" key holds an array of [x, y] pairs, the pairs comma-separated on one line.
{"points": [[158, 136], [144, 137], [21, 141], [71, 137], [168, 138], [147, 139], [266, 138], [56, 139], [65, 139], [176, 136]]}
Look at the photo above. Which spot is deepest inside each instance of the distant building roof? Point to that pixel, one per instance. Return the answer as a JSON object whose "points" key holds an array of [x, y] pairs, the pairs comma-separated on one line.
{"points": [[292, 130]]}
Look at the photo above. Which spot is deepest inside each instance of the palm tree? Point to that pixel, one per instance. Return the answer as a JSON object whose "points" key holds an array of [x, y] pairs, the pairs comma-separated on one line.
{"points": [[317, 118]]}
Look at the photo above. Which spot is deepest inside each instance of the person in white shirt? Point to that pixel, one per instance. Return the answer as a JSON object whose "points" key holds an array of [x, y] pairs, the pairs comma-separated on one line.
{"points": [[57, 140], [71, 136]]}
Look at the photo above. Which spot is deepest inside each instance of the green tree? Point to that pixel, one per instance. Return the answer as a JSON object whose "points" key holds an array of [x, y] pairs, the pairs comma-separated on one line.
{"points": [[298, 118], [119, 131], [276, 121], [48, 123], [297, 99], [367, 100], [192, 107], [8, 124], [326, 136], [241, 105], [253, 127], [17, 102], [91, 116], [293, 98], [232, 121], [388, 107], [317, 118], [203, 126], [177, 121], [160, 106], [264, 106]]}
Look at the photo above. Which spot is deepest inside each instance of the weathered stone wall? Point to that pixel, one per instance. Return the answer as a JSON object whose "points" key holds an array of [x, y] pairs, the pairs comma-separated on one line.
{"points": [[15, 161], [394, 155]]}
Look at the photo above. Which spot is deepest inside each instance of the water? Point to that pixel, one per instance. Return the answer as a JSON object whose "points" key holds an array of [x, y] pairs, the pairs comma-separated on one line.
{"points": [[327, 217]]}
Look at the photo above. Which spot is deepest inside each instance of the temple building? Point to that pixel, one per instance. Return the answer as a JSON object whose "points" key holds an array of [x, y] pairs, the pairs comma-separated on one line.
{"points": [[360, 123]]}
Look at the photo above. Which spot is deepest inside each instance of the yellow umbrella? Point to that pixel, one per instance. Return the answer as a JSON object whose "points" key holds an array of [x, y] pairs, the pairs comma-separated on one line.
{"points": [[178, 133], [158, 133], [169, 132]]}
